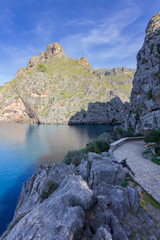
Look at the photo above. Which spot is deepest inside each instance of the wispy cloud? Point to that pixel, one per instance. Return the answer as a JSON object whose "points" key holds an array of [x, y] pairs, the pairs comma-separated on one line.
{"points": [[107, 39]]}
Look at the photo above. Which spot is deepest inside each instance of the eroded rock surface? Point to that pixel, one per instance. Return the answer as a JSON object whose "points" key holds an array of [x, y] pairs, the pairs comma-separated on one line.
{"points": [[145, 96], [56, 87], [113, 111], [73, 202]]}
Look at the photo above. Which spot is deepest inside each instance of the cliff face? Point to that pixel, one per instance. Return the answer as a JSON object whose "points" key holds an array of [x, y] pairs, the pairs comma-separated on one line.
{"points": [[145, 96], [56, 87]]}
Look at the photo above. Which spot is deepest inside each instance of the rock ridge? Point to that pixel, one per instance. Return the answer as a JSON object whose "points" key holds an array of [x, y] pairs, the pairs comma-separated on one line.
{"points": [[56, 87], [84, 202], [145, 95]]}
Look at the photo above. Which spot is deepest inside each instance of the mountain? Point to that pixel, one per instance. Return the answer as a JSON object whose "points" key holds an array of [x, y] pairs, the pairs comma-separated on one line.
{"points": [[52, 88], [145, 96]]}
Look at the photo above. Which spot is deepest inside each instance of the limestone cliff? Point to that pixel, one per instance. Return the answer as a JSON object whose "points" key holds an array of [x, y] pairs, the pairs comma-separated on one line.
{"points": [[56, 87], [145, 96]]}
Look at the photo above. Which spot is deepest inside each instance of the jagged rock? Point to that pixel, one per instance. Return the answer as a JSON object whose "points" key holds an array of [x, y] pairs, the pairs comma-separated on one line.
{"points": [[45, 179], [109, 173], [94, 156], [18, 111], [31, 192], [100, 215], [101, 113], [133, 198], [145, 96], [117, 197], [56, 87], [61, 216], [147, 217], [127, 229], [83, 169], [102, 233], [153, 238], [53, 51]]}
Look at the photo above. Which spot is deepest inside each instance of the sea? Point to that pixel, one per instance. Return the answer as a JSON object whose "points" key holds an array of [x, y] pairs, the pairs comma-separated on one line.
{"points": [[23, 147]]}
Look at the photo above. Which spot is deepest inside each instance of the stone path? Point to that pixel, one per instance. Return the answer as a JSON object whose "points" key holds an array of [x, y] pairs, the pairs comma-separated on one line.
{"points": [[147, 174]]}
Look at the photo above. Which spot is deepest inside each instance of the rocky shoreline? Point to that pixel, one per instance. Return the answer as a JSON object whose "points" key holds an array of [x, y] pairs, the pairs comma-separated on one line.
{"points": [[86, 201]]}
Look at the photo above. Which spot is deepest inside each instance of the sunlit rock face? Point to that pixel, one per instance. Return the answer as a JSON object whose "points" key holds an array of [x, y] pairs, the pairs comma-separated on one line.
{"points": [[56, 87], [145, 96]]}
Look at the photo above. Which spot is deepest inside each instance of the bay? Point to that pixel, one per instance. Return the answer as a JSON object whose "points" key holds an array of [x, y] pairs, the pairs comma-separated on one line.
{"points": [[24, 146]]}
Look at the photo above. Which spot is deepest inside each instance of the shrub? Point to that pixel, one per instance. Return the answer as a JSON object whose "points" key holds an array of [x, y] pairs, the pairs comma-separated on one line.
{"points": [[152, 136], [119, 131], [158, 48], [149, 94], [124, 183], [97, 147], [49, 189], [105, 137], [74, 157], [41, 68], [128, 133], [147, 151], [156, 160]]}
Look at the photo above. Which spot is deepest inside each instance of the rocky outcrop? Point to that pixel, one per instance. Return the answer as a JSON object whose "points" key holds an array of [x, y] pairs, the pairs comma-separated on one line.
{"points": [[53, 51], [85, 202], [145, 96], [56, 87], [18, 111], [113, 111], [58, 203]]}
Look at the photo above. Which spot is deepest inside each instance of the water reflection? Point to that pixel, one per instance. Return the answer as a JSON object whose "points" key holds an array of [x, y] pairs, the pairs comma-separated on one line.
{"points": [[64, 138], [23, 146]]}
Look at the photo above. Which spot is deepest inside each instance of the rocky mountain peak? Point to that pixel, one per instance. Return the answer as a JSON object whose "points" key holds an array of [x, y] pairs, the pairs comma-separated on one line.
{"points": [[153, 26], [53, 51]]}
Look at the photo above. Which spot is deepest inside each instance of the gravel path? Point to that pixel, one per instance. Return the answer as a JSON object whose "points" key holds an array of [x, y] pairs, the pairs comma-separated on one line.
{"points": [[147, 173]]}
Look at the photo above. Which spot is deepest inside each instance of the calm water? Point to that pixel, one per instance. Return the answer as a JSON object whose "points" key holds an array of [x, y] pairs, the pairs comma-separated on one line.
{"points": [[24, 146]]}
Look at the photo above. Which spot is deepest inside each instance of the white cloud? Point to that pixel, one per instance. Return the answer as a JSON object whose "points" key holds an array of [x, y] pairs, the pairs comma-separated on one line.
{"points": [[108, 38]]}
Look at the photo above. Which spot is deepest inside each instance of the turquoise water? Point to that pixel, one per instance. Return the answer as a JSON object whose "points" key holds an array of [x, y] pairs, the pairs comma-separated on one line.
{"points": [[24, 146]]}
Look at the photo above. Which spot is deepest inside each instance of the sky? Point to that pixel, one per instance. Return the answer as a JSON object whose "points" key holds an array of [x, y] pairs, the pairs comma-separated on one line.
{"points": [[107, 32]]}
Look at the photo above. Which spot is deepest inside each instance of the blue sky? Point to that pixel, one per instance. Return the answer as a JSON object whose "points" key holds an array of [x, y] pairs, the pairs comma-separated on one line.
{"points": [[108, 32]]}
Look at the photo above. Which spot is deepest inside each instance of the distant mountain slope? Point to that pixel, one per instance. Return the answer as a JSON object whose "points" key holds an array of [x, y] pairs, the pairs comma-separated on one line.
{"points": [[55, 87]]}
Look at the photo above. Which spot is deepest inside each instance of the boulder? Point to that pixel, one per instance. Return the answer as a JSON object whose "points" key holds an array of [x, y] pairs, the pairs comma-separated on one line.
{"points": [[60, 216], [105, 171]]}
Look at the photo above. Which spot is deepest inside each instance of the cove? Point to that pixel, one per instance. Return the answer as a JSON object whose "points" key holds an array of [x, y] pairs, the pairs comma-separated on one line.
{"points": [[23, 147]]}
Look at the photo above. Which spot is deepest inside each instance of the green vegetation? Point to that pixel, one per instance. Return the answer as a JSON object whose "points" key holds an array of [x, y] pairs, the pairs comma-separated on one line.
{"points": [[41, 68], [158, 48], [68, 68], [154, 137], [49, 189], [147, 151], [69, 85], [74, 157], [156, 160], [124, 183], [149, 94], [105, 137], [147, 199], [128, 133], [97, 147]]}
